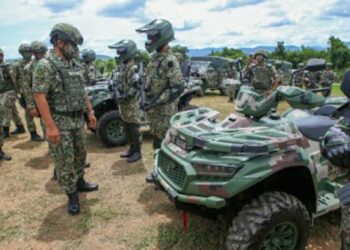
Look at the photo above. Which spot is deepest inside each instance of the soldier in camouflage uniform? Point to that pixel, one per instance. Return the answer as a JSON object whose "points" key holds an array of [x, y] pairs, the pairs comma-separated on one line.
{"points": [[3, 78], [128, 86], [90, 72], [328, 76], [18, 76], [233, 74], [336, 148], [312, 79], [164, 82], [8, 96], [262, 76], [58, 90], [39, 50], [279, 71], [298, 79]]}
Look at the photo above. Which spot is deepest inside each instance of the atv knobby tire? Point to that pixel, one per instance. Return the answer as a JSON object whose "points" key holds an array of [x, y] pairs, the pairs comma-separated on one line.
{"points": [[274, 220], [110, 129]]}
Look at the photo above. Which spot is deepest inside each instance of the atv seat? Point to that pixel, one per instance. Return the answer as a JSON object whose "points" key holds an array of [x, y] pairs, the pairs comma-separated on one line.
{"points": [[315, 127], [326, 110]]}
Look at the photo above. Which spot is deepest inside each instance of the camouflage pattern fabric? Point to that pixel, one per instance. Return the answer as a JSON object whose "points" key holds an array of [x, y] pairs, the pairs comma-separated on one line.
{"points": [[298, 79], [63, 82], [337, 137], [19, 78], [90, 73], [1, 129], [314, 80], [130, 106], [69, 157], [281, 74], [28, 83], [162, 73], [327, 78], [10, 112], [262, 77]]}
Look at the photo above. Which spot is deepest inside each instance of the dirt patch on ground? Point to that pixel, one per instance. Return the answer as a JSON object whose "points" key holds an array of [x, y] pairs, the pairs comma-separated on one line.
{"points": [[125, 213]]}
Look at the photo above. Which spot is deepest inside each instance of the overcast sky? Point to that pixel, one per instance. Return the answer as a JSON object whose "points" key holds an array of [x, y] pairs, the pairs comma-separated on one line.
{"points": [[198, 23]]}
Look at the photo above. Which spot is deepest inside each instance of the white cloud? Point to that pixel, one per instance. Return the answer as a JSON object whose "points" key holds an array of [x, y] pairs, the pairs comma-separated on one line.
{"points": [[265, 23]]}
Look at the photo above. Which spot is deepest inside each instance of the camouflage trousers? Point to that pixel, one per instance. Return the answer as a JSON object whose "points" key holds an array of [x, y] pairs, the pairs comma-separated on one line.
{"points": [[10, 112], [69, 157], [1, 135], [30, 121], [345, 227], [159, 119], [231, 92]]}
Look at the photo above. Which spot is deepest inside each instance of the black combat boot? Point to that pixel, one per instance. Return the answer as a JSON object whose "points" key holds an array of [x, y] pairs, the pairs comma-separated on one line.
{"points": [[4, 156], [83, 186], [73, 203], [135, 138], [127, 131], [87, 164], [230, 99], [19, 130], [6, 132], [35, 137]]}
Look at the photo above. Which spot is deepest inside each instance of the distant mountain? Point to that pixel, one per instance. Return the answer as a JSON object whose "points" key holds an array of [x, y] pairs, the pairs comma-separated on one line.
{"points": [[247, 51], [103, 57]]}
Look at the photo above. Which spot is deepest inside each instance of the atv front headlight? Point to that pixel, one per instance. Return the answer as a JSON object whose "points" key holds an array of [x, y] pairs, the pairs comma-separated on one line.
{"points": [[215, 170]]}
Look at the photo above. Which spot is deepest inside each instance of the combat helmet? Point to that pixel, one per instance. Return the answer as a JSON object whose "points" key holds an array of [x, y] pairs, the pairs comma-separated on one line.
{"points": [[159, 32], [126, 49], [67, 33], [39, 47], [88, 55], [261, 52], [24, 47]]}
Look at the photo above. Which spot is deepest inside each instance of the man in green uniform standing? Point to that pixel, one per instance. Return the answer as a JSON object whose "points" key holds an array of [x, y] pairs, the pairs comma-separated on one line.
{"points": [[18, 76], [128, 87], [8, 96], [58, 90], [262, 76], [164, 82], [90, 73], [298, 79], [5, 80], [39, 50]]}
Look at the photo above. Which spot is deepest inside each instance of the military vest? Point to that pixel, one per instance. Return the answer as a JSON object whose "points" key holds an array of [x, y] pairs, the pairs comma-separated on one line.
{"points": [[70, 96], [262, 77], [6, 83], [156, 81]]}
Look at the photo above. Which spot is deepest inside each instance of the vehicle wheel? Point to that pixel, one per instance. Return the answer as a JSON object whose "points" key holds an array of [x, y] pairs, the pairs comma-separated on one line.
{"points": [[110, 129], [224, 91], [274, 220]]}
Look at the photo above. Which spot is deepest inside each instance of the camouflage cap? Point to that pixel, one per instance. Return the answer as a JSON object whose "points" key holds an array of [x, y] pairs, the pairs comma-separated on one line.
{"points": [[278, 62], [66, 32], [39, 47], [24, 47], [1, 52], [260, 52]]}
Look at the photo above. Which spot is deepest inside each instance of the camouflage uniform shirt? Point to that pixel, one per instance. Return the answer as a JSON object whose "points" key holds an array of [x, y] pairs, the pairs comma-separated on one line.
{"points": [[28, 83], [18, 74], [90, 73], [262, 77], [128, 79], [162, 73], [47, 80]]}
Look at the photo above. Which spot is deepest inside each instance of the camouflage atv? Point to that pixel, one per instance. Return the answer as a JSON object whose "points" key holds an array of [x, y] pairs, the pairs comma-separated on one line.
{"points": [[109, 124], [261, 174], [214, 72]]}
